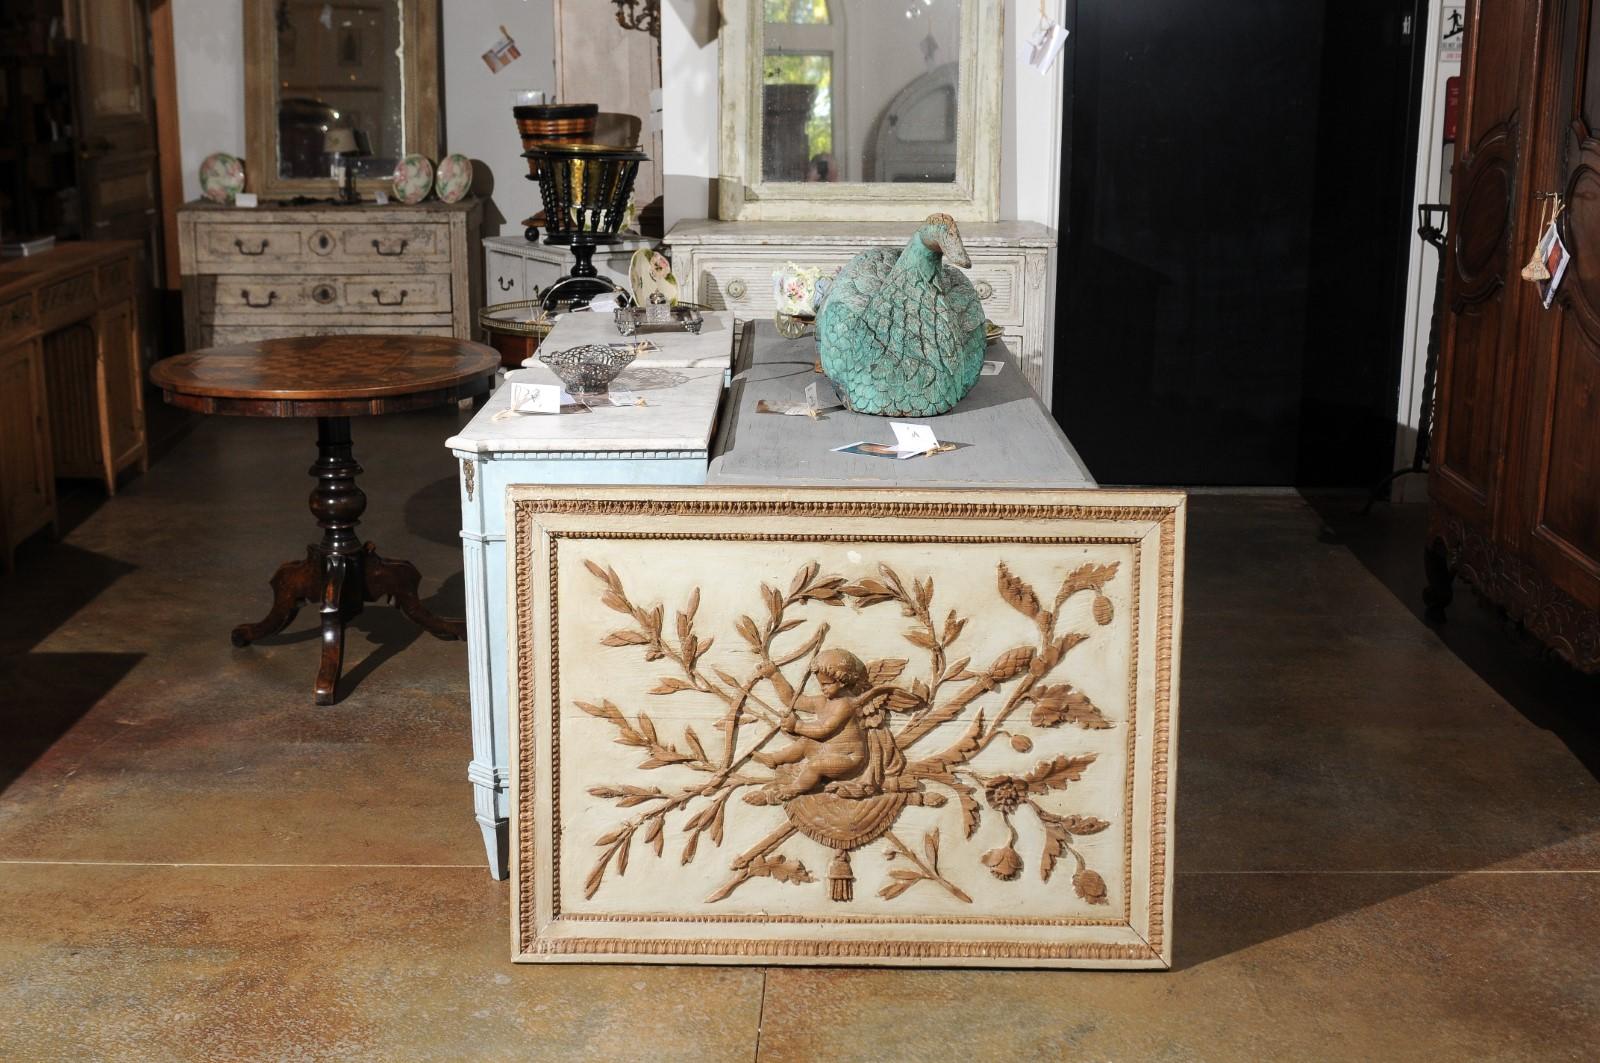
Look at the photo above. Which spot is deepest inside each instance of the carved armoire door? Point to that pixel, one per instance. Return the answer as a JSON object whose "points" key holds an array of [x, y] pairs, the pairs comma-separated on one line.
{"points": [[118, 168], [1558, 493], [1492, 219]]}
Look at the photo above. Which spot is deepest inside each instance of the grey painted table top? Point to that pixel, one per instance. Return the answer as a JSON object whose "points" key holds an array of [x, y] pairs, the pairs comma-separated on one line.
{"points": [[1008, 438]]}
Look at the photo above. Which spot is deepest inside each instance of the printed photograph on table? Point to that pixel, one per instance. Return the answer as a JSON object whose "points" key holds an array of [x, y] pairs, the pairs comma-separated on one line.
{"points": [[768, 730]]}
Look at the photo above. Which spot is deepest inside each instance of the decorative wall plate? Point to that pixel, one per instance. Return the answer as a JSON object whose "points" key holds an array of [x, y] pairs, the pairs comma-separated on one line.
{"points": [[453, 178], [844, 726], [413, 179], [221, 177]]}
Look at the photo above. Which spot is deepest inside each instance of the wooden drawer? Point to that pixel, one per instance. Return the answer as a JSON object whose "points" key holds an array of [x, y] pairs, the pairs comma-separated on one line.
{"points": [[257, 296], [505, 278], [69, 299], [743, 283], [16, 315], [231, 248], [999, 284]]}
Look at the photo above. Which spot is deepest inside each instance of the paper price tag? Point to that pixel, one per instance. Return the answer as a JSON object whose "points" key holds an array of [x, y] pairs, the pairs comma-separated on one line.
{"points": [[245, 199], [912, 439], [1041, 47], [538, 398], [991, 368]]}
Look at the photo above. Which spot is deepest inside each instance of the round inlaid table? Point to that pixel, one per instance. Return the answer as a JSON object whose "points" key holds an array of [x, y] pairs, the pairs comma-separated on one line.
{"points": [[333, 378]]}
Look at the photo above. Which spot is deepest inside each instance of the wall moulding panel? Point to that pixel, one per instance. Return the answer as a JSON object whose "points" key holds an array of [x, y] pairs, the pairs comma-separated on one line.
{"points": [[903, 727]]}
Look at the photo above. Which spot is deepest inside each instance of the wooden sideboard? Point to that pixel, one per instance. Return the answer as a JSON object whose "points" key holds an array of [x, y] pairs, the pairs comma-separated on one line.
{"points": [[274, 270], [71, 393], [729, 266]]}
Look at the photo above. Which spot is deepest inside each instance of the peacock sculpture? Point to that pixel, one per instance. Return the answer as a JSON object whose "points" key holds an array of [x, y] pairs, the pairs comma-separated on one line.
{"points": [[901, 333]]}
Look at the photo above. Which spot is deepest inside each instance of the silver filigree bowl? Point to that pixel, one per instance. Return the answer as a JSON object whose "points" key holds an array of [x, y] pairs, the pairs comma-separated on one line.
{"points": [[587, 371]]}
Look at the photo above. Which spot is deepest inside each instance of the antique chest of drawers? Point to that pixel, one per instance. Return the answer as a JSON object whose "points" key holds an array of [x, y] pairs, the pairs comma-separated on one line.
{"points": [[729, 266], [270, 271], [518, 269]]}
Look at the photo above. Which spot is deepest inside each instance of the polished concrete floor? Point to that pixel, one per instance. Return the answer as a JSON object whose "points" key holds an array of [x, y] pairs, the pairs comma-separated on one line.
{"points": [[1387, 834]]}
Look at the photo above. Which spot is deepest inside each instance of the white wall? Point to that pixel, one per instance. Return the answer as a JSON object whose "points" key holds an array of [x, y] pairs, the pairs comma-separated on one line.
{"points": [[1432, 186], [477, 104], [208, 39], [1030, 148], [690, 117]]}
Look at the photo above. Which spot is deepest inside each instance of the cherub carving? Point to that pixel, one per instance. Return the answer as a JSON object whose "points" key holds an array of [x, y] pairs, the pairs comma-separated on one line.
{"points": [[846, 746]]}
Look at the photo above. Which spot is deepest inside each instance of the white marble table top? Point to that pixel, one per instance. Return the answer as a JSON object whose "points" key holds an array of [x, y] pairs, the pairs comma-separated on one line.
{"points": [[680, 415], [712, 346]]}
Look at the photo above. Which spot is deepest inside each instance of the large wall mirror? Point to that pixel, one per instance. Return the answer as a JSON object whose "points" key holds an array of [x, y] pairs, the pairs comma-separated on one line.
{"points": [[330, 84], [860, 109]]}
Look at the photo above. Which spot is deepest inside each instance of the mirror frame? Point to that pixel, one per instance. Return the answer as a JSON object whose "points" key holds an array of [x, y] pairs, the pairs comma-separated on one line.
{"points": [[419, 100], [742, 195]]}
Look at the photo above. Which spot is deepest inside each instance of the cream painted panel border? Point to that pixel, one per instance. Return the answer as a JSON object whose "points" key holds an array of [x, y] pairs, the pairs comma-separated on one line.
{"points": [[1134, 930], [975, 195]]}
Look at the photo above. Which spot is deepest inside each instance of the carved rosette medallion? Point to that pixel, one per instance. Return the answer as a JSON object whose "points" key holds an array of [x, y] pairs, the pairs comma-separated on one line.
{"points": [[852, 727]]}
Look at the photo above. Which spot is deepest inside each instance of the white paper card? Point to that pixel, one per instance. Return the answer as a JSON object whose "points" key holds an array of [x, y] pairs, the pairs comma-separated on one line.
{"points": [[912, 439], [1041, 47], [381, 197], [991, 368], [245, 199], [538, 398], [604, 303]]}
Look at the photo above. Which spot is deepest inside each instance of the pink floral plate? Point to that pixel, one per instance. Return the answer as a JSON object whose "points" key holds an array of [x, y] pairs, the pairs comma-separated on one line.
{"points": [[453, 178], [221, 177], [413, 179]]}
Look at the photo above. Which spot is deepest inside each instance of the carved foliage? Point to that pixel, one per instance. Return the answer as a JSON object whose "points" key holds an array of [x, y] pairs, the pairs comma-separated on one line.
{"points": [[840, 765]]}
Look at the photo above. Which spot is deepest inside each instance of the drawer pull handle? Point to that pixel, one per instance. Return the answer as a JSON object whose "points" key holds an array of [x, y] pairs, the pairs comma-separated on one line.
{"points": [[736, 288], [376, 294], [378, 247], [239, 243], [985, 291], [245, 295], [324, 294], [505, 285]]}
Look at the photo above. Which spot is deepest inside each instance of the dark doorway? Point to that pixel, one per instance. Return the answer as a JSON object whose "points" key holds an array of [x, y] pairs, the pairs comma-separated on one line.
{"points": [[1236, 209]]}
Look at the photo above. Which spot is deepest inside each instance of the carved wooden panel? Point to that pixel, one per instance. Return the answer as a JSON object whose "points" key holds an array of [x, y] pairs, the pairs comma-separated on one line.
{"points": [[1561, 500], [787, 726], [1488, 233]]}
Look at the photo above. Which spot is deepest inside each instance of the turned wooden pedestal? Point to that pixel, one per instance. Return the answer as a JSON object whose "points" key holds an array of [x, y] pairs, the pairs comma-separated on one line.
{"points": [[333, 378]]}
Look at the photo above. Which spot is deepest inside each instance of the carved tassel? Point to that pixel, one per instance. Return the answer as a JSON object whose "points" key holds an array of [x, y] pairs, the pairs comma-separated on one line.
{"points": [[841, 881]]}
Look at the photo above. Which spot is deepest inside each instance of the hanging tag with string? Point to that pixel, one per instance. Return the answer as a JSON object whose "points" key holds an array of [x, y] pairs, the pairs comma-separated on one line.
{"points": [[1536, 270], [1040, 48], [1551, 254]]}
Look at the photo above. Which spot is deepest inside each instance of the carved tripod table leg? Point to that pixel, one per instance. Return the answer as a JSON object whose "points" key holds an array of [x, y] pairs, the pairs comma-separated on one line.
{"points": [[339, 574], [398, 581], [293, 583]]}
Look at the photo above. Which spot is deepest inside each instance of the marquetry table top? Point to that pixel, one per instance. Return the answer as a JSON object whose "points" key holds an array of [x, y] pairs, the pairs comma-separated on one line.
{"points": [[327, 375]]}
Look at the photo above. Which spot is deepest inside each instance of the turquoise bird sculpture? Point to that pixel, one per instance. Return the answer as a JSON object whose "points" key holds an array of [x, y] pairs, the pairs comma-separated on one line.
{"points": [[901, 332]]}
